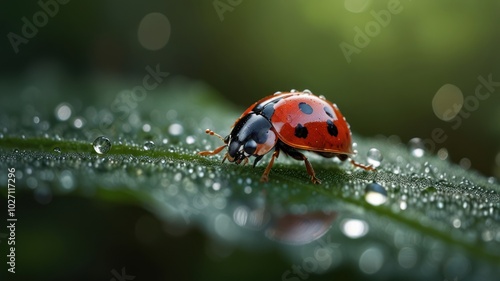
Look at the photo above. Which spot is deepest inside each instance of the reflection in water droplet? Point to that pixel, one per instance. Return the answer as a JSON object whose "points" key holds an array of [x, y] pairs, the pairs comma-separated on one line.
{"points": [[371, 261], [240, 215], [299, 229], [407, 257], [354, 228], [417, 147], [375, 157], [175, 129], [148, 145], [375, 194], [102, 145]]}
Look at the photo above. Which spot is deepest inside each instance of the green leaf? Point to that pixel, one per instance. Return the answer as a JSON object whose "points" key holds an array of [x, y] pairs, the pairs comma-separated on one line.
{"points": [[417, 217]]}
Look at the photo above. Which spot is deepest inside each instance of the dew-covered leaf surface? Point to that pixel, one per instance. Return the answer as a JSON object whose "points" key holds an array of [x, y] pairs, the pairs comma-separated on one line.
{"points": [[417, 217]]}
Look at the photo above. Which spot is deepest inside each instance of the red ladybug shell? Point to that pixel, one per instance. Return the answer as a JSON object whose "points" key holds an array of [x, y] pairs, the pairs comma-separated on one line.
{"points": [[308, 122], [305, 121]]}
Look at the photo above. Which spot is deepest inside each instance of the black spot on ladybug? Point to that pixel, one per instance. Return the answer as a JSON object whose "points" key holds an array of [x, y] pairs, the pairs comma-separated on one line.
{"points": [[301, 131], [305, 108], [328, 111], [332, 129]]}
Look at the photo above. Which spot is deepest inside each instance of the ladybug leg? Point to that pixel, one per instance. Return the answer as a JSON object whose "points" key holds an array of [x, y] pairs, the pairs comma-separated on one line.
{"points": [[299, 156], [213, 152], [310, 171], [362, 166], [265, 175]]}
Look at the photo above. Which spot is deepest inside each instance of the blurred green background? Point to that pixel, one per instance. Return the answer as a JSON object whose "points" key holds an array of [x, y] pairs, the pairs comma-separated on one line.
{"points": [[249, 49]]}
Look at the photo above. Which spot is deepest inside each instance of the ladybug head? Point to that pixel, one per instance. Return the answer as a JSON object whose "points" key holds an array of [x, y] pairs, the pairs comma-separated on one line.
{"points": [[251, 136]]}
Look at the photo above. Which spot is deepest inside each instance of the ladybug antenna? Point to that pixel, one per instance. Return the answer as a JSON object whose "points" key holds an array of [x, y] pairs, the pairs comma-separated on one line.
{"points": [[212, 133]]}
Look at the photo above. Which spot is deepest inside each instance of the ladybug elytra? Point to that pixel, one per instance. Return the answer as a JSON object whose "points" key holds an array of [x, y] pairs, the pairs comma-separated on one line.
{"points": [[288, 122]]}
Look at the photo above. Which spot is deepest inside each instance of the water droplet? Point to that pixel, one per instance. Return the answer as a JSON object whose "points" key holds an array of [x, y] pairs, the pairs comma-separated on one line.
{"points": [[354, 228], [146, 128], [190, 139], [371, 261], [78, 122], [375, 157], [66, 179], [175, 129], [57, 149], [457, 223], [148, 145], [102, 145], [442, 153], [417, 147], [63, 112], [247, 189], [293, 91], [216, 186], [375, 194], [465, 163], [322, 97], [277, 93], [403, 205], [407, 257], [307, 92]]}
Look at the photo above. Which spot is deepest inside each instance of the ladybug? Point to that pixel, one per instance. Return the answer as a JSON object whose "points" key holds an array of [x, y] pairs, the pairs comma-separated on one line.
{"points": [[288, 122]]}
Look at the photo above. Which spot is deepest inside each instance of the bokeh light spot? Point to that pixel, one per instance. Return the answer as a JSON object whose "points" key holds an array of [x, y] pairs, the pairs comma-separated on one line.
{"points": [[356, 6], [447, 102], [154, 31]]}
